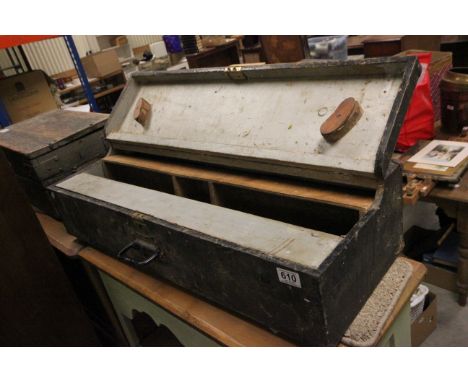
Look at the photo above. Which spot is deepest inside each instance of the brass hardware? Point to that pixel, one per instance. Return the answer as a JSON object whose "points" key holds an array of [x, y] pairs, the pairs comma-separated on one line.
{"points": [[235, 73], [416, 188]]}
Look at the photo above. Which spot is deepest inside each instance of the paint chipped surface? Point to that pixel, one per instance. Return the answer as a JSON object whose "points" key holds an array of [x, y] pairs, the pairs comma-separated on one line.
{"points": [[190, 116]]}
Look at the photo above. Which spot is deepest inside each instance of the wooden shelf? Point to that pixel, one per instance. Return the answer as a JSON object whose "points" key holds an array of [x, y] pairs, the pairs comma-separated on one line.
{"points": [[285, 187], [91, 81], [75, 87]]}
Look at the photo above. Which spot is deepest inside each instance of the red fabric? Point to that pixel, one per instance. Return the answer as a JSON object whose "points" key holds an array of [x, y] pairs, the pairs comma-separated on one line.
{"points": [[11, 40], [419, 120]]}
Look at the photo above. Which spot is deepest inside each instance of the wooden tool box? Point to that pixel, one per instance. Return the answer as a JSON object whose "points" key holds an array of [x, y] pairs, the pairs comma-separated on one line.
{"points": [[257, 188], [51, 146]]}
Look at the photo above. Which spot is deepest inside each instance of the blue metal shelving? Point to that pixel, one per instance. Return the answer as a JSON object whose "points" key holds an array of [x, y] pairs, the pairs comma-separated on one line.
{"points": [[4, 117], [81, 72]]}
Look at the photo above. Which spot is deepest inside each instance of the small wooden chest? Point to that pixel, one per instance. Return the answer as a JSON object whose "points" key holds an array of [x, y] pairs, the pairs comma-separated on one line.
{"points": [[268, 190], [51, 146]]}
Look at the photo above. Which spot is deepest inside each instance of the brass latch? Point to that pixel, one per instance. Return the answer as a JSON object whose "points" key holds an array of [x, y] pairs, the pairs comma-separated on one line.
{"points": [[416, 188], [235, 73]]}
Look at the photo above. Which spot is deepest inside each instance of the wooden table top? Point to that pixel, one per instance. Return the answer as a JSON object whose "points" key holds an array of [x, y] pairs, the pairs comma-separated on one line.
{"points": [[457, 194], [226, 328], [443, 191]]}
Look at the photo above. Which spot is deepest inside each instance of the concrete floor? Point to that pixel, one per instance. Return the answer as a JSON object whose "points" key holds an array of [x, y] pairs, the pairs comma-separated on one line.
{"points": [[452, 325]]}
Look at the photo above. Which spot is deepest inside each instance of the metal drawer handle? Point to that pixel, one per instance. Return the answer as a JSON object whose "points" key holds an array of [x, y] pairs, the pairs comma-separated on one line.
{"points": [[140, 246]]}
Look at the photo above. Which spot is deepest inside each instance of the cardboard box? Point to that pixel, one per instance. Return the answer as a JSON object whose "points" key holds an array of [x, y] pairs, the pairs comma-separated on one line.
{"points": [[120, 41], [441, 277], [26, 95], [101, 64], [426, 323]]}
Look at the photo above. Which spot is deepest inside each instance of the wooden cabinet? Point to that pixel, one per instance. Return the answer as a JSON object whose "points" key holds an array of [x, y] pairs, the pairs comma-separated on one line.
{"points": [[38, 305], [278, 49], [222, 55]]}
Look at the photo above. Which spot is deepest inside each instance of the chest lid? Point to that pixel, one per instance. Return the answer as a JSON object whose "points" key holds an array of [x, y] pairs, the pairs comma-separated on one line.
{"points": [[48, 131], [332, 121]]}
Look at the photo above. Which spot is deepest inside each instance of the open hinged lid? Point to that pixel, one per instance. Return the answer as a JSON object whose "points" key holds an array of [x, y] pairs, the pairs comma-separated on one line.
{"points": [[49, 131], [286, 119]]}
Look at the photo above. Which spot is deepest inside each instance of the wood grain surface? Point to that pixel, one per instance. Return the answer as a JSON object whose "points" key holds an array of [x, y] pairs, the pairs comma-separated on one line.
{"points": [[59, 237], [48, 131], [338, 196]]}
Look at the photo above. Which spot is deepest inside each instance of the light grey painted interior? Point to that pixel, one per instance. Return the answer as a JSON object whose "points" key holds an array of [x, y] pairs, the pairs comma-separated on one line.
{"points": [[268, 121]]}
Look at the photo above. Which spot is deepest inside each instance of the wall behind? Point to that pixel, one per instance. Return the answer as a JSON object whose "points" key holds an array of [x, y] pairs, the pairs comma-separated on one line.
{"points": [[52, 55], [140, 40], [5, 62]]}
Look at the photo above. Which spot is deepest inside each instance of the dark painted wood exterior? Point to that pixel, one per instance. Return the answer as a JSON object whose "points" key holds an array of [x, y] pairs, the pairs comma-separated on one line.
{"points": [[51, 146], [240, 278], [245, 281]]}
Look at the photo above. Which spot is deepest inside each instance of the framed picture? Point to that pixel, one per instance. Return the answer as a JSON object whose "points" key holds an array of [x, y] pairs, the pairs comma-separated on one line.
{"points": [[442, 153]]}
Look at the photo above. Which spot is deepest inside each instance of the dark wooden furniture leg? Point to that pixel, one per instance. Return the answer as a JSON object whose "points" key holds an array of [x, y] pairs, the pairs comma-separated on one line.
{"points": [[462, 278]]}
